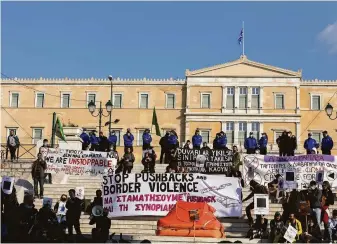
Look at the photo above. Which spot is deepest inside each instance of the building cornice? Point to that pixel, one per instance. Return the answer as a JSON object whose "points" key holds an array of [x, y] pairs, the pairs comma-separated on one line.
{"points": [[317, 82]]}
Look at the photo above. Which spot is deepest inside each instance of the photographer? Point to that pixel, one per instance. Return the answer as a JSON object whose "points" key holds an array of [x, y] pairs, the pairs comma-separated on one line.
{"points": [[100, 234]]}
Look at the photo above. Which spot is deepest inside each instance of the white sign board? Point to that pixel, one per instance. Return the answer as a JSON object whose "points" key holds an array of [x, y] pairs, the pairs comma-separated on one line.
{"points": [[156, 194], [79, 192], [261, 204], [7, 184], [290, 234]]}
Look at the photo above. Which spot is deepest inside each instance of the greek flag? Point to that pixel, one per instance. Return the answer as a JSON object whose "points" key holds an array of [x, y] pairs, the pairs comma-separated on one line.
{"points": [[240, 37]]}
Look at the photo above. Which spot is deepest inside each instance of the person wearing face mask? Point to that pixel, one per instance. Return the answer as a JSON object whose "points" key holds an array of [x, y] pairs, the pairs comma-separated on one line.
{"points": [[93, 141], [128, 141], [310, 144], [332, 229], [217, 142], [250, 144], [313, 235], [85, 139], [263, 142], [103, 142], [60, 210], [113, 140], [196, 140], [314, 197], [147, 139], [38, 168]]}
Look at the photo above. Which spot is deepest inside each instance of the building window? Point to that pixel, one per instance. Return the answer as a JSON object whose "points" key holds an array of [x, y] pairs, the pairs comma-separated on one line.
{"points": [[243, 97], [170, 100], [256, 129], [242, 132], [230, 97], [279, 101], [14, 100], [205, 100], [317, 136], [230, 132], [315, 102], [277, 135], [255, 97], [37, 135], [91, 97], [140, 137], [118, 134], [39, 100], [65, 101], [205, 135], [117, 100], [143, 100]]}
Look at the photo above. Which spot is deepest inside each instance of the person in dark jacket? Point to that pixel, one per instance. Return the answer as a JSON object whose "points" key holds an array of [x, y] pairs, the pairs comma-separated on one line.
{"points": [[328, 200], [73, 215], [187, 145], [85, 139], [327, 143], [13, 143], [127, 161], [147, 161], [103, 142], [310, 144], [9, 208], [255, 188], [147, 139], [27, 215], [128, 141], [314, 234], [172, 140], [282, 143], [38, 168], [250, 144], [276, 229], [44, 151], [98, 201], [93, 141], [100, 234], [223, 140], [263, 142], [196, 140], [205, 149], [113, 140], [293, 145], [217, 141], [314, 196], [164, 148]]}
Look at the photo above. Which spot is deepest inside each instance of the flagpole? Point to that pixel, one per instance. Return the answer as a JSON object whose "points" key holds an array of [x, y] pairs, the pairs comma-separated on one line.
{"points": [[243, 38]]}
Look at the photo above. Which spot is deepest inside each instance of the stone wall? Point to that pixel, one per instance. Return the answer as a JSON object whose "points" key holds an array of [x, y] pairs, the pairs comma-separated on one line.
{"points": [[16, 169]]}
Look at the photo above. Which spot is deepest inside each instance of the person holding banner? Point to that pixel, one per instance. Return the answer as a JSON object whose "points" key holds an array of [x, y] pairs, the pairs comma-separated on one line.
{"points": [[223, 140], [187, 145], [113, 140], [103, 143], [128, 141], [310, 144], [217, 142], [295, 223], [196, 139]]}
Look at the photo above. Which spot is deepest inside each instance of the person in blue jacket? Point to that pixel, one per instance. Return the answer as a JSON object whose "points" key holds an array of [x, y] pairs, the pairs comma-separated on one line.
{"points": [[128, 141], [85, 139], [147, 139], [327, 143], [172, 140], [251, 144], [310, 144], [223, 140], [93, 141], [113, 139], [196, 140], [263, 142], [216, 142]]}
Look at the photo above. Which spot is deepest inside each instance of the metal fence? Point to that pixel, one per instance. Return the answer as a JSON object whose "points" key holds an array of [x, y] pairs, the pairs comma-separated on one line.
{"points": [[23, 151]]}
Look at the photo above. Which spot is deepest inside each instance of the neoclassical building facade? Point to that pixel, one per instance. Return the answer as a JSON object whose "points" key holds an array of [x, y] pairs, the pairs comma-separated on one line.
{"points": [[235, 97]]}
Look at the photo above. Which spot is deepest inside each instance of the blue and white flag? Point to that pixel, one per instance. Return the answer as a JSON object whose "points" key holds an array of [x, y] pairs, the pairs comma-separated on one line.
{"points": [[240, 37]]}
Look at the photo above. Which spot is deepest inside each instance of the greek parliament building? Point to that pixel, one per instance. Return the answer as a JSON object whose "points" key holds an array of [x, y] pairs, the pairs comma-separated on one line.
{"points": [[236, 97]]}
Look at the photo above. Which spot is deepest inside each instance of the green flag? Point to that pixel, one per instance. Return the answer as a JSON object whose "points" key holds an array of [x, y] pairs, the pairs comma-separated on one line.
{"points": [[59, 130], [155, 122]]}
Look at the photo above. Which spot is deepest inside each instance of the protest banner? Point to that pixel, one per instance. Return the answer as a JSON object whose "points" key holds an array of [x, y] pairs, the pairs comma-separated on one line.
{"points": [[296, 171], [205, 161], [78, 162], [154, 194]]}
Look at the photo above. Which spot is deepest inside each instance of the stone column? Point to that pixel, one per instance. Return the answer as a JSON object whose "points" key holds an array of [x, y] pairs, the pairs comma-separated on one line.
{"points": [[298, 136], [298, 100], [249, 98], [236, 133], [224, 99], [236, 98], [261, 100]]}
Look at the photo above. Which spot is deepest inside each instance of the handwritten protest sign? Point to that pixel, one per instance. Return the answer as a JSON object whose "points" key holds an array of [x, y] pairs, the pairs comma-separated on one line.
{"points": [[290, 234], [79, 192], [304, 167], [205, 161], [155, 193], [78, 162]]}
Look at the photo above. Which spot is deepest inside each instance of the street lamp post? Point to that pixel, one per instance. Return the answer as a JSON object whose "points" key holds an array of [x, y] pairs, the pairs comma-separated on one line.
{"points": [[329, 111], [111, 99], [92, 108]]}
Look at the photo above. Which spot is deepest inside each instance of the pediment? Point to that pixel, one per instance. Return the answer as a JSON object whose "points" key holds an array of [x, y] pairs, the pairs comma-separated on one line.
{"points": [[243, 68]]}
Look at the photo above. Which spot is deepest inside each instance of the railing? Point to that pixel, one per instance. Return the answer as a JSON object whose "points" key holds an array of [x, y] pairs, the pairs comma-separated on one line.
{"points": [[24, 151]]}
